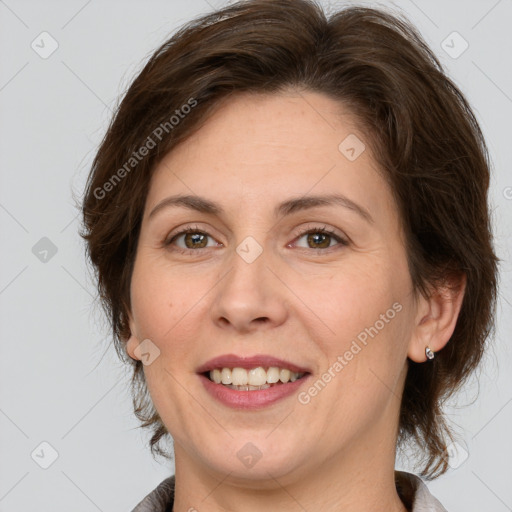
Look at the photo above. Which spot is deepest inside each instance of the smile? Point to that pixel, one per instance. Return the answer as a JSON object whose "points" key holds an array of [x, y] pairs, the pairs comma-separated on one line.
{"points": [[253, 379]]}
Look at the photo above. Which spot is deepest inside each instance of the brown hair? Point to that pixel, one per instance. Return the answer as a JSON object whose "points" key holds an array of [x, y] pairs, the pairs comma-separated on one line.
{"points": [[420, 127]]}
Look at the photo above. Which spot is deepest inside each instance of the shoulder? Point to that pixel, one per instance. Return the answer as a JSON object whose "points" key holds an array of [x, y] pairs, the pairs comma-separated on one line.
{"points": [[416, 494], [159, 499]]}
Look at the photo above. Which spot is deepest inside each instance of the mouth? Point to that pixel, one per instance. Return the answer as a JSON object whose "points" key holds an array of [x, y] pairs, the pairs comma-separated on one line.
{"points": [[251, 383], [253, 379]]}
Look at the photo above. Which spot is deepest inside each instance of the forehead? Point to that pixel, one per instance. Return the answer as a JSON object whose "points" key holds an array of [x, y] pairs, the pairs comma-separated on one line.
{"points": [[291, 125], [257, 146]]}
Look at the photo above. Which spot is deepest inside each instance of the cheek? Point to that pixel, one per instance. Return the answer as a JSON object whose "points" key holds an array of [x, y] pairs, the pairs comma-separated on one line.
{"points": [[364, 310], [352, 297], [363, 365], [169, 307], [162, 297]]}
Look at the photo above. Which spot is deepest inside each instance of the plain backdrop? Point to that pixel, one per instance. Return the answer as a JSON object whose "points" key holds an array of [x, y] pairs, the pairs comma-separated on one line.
{"points": [[64, 397]]}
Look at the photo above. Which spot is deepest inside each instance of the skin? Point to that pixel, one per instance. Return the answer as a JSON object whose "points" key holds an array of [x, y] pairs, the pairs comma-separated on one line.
{"points": [[301, 300]]}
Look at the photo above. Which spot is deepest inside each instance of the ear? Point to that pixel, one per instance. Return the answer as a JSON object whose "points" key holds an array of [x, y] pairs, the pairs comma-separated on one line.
{"points": [[436, 318], [133, 342]]}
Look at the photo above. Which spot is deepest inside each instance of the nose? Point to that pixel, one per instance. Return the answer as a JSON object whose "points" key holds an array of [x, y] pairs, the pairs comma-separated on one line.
{"points": [[250, 296]]}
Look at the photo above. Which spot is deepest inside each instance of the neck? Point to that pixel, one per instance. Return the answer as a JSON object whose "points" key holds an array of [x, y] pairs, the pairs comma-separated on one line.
{"points": [[359, 479]]}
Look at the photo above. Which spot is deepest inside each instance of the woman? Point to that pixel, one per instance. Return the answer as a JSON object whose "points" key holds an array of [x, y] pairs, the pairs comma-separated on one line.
{"points": [[288, 218]]}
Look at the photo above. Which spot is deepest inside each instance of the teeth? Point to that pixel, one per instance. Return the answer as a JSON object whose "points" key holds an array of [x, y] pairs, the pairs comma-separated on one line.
{"points": [[239, 377], [255, 378], [216, 376], [272, 375], [284, 375], [225, 376]]}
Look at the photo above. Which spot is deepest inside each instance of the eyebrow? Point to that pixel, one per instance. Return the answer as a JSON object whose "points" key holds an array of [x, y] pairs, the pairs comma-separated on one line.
{"points": [[203, 205]]}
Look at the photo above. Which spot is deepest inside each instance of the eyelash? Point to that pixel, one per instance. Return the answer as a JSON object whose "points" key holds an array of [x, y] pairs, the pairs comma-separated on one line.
{"points": [[194, 229]]}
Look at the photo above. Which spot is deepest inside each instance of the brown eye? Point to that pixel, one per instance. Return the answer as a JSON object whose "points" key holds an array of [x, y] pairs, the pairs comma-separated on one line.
{"points": [[194, 240], [321, 239], [191, 239]]}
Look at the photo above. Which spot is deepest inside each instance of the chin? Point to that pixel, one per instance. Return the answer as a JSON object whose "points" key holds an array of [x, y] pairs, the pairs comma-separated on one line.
{"points": [[257, 460]]}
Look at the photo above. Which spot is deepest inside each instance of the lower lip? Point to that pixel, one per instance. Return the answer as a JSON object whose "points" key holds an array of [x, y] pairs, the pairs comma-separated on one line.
{"points": [[251, 399]]}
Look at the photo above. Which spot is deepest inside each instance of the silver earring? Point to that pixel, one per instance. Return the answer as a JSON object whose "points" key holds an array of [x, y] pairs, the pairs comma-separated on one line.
{"points": [[429, 353]]}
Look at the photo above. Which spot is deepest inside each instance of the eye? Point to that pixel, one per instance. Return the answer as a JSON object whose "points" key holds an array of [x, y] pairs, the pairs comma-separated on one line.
{"points": [[321, 238], [192, 239]]}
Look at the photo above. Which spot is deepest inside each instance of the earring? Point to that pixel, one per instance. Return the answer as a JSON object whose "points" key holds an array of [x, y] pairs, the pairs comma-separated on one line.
{"points": [[429, 353]]}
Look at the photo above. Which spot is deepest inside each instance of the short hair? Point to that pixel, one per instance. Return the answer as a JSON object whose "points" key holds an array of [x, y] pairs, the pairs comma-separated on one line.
{"points": [[421, 130]]}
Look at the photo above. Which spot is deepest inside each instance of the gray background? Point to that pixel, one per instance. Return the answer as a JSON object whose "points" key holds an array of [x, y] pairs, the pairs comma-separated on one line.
{"points": [[60, 380]]}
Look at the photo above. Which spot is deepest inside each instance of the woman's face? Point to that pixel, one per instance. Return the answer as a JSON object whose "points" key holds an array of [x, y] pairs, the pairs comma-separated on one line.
{"points": [[248, 281]]}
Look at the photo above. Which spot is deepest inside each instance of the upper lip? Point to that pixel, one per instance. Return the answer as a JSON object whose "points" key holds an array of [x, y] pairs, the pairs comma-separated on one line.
{"points": [[234, 361]]}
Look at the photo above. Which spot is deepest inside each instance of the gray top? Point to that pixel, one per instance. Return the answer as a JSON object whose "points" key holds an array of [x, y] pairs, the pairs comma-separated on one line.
{"points": [[411, 489]]}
